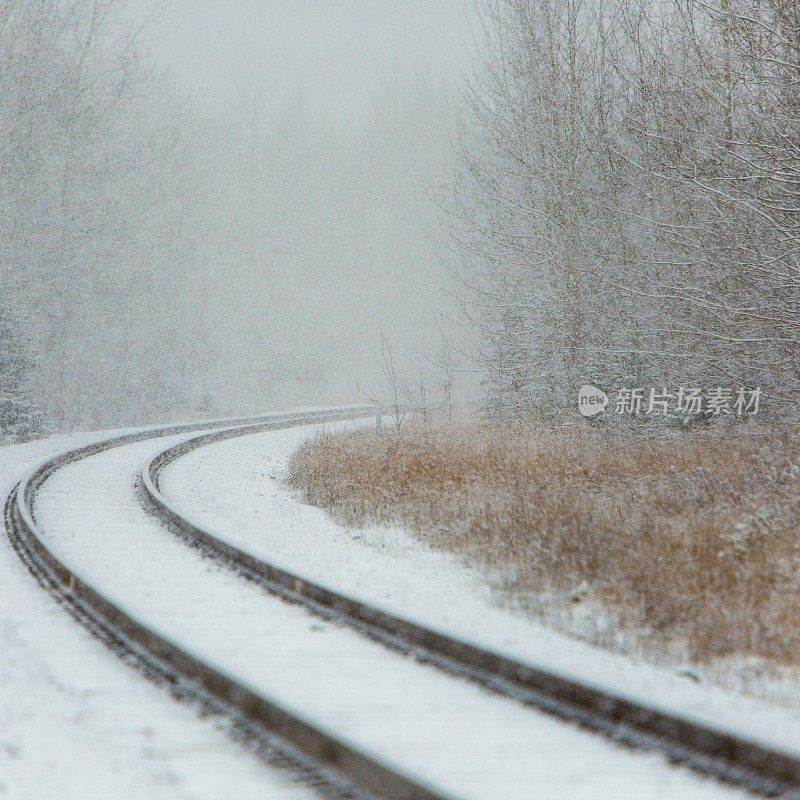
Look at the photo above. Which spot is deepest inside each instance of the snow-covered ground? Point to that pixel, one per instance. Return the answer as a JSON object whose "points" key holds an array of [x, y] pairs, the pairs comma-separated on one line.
{"points": [[449, 732], [77, 723], [234, 488]]}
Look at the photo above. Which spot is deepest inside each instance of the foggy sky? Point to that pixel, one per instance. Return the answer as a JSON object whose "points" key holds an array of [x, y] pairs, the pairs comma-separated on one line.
{"points": [[330, 52]]}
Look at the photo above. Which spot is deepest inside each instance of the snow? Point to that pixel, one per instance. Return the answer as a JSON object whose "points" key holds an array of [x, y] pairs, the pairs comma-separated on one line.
{"points": [[448, 732], [235, 490], [77, 723]]}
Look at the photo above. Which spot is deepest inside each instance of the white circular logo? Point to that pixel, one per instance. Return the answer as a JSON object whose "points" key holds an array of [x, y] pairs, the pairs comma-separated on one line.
{"points": [[591, 400]]}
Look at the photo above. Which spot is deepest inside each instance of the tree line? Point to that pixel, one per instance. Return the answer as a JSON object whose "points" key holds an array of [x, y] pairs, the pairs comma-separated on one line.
{"points": [[627, 212], [164, 258]]}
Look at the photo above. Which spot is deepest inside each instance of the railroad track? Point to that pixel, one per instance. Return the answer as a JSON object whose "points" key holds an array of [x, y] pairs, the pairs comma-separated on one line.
{"points": [[701, 747], [343, 765], [339, 769]]}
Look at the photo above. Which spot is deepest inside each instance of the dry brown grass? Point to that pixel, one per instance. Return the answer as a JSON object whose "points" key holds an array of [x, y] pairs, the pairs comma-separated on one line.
{"points": [[693, 540]]}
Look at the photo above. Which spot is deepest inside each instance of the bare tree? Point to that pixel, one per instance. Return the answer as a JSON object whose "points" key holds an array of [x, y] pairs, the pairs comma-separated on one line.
{"points": [[89, 191], [628, 212]]}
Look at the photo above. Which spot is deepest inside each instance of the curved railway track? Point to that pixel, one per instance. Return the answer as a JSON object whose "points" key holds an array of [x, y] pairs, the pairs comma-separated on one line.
{"points": [[342, 765], [699, 746], [337, 767]]}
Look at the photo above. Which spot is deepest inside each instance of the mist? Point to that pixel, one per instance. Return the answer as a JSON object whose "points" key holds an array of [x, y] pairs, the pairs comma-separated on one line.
{"points": [[219, 208]]}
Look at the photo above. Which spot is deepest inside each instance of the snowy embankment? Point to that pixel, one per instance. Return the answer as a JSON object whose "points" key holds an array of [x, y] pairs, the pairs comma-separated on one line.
{"points": [[235, 490], [76, 722], [449, 732]]}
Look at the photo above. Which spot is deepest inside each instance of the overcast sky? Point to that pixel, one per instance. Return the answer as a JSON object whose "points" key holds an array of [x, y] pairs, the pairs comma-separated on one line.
{"points": [[331, 51]]}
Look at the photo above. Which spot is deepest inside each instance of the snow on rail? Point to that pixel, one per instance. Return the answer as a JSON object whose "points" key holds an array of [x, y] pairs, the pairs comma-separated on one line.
{"points": [[306, 746], [443, 732], [697, 742], [690, 734]]}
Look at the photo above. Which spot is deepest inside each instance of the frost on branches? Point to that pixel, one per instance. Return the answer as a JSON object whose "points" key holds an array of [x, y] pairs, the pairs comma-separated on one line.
{"points": [[628, 212]]}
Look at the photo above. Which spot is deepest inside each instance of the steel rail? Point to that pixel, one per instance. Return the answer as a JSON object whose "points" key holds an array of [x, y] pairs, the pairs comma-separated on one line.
{"points": [[335, 764], [702, 747]]}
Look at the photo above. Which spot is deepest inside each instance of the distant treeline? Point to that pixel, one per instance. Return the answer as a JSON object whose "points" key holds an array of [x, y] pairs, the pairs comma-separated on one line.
{"points": [[161, 259]]}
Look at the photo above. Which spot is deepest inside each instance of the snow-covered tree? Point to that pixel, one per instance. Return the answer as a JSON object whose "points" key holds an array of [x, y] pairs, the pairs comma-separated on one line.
{"points": [[20, 418], [630, 195], [89, 200]]}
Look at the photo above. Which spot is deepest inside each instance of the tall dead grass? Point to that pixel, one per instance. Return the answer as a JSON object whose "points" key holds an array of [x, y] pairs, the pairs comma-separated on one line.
{"points": [[693, 540]]}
